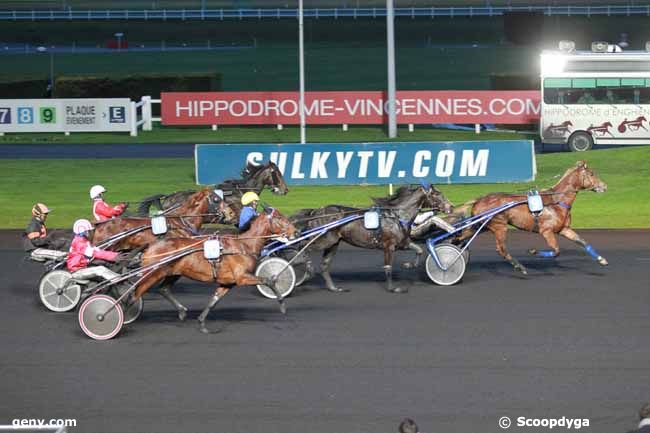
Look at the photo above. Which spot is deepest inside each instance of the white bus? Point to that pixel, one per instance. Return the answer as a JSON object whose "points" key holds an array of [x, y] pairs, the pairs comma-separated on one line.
{"points": [[595, 97]]}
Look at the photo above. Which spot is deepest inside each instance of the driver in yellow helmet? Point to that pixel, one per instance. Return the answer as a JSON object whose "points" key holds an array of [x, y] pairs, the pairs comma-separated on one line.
{"points": [[248, 211]]}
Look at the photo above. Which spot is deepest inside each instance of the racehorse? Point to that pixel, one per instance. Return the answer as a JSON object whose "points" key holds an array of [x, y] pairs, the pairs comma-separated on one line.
{"points": [[235, 266], [183, 222], [397, 213], [254, 178], [554, 218]]}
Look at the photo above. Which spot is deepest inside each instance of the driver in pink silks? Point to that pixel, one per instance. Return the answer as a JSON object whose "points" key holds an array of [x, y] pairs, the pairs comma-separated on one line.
{"points": [[101, 210], [82, 250]]}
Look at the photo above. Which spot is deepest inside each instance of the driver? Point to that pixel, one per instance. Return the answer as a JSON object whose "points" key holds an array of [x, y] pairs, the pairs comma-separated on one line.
{"points": [[82, 251], [248, 211], [101, 210], [36, 236]]}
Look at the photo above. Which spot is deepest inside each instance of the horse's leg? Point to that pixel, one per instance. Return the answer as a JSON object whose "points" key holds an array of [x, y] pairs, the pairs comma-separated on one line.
{"points": [[388, 270], [246, 279], [165, 292], [328, 255], [500, 233], [218, 294], [551, 241], [573, 236], [418, 254]]}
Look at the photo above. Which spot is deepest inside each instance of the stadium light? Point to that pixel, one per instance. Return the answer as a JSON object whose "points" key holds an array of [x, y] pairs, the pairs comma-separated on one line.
{"points": [[552, 63]]}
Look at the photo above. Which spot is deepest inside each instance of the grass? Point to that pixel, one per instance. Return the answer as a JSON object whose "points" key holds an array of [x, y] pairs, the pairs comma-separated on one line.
{"points": [[268, 134], [64, 184]]}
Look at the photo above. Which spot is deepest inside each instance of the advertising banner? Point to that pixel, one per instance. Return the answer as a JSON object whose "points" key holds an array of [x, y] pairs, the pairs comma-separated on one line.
{"points": [[374, 163], [333, 108], [64, 115]]}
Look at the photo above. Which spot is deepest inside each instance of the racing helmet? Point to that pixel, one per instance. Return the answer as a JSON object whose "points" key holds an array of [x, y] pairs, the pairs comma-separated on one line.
{"points": [[39, 210], [96, 190], [81, 226], [219, 193], [249, 198]]}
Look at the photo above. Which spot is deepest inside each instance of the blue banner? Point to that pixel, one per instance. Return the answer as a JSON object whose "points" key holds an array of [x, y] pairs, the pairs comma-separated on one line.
{"points": [[374, 163]]}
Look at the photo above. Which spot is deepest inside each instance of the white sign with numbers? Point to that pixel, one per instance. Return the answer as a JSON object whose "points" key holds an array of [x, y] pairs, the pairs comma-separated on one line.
{"points": [[65, 115]]}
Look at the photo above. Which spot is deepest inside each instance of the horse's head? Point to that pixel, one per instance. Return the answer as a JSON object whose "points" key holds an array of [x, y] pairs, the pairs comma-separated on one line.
{"points": [[607, 124], [276, 180], [436, 199], [219, 210], [267, 175], [279, 224], [587, 179]]}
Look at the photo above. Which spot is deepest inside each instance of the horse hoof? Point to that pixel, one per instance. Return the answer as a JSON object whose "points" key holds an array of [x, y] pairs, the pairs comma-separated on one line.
{"points": [[206, 331], [337, 289], [283, 308], [398, 290], [602, 261], [532, 252], [407, 265], [523, 271]]}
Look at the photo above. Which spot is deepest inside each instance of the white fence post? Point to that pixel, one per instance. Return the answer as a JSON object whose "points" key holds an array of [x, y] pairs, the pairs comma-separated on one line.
{"points": [[134, 120], [146, 113], [477, 128]]}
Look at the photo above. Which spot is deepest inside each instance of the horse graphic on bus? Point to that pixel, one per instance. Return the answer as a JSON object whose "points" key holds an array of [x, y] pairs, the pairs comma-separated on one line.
{"points": [[632, 125]]}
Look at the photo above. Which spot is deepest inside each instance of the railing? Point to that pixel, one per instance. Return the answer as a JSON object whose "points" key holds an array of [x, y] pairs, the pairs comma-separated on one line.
{"points": [[222, 14], [146, 118]]}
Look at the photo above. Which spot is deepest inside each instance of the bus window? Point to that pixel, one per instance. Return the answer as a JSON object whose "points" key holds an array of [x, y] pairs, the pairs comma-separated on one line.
{"points": [[644, 95]]}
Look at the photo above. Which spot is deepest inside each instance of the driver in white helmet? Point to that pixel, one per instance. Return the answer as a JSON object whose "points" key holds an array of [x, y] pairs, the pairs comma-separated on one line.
{"points": [[101, 210], [82, 251]]}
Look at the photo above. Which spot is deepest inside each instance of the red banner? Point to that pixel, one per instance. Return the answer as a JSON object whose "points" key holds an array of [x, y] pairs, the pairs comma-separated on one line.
{"points": [[333, 108]]}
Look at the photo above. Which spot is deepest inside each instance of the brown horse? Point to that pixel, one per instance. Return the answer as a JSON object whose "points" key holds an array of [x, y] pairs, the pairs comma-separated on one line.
{"points": [[554, 218], [183, 222], [235, 266]]}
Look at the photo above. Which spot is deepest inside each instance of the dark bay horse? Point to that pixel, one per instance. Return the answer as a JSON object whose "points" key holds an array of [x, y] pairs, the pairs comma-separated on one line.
{"points": [[254, 178], [235, 267], [554, 218], [397, 213], [183, 222]]}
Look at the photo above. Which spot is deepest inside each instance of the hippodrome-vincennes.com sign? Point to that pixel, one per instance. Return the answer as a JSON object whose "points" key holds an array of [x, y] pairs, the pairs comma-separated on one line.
{"points": [[332, 108], [374, 163]]}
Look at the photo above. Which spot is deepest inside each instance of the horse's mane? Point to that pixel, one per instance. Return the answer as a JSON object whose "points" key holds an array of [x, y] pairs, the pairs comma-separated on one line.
{"points": [[249, 172], [397, 197]]}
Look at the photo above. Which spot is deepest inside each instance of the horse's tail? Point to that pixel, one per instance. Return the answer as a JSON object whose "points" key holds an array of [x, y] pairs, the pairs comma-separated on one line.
{"points": [[147, 202]]}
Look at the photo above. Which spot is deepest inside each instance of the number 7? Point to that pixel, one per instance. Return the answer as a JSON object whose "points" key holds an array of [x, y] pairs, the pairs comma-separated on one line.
{"points": [[3, 114]]}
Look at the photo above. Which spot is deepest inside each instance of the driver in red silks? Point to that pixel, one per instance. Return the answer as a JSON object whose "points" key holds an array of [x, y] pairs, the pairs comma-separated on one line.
{"points": [[101, 210], [82, 251]]}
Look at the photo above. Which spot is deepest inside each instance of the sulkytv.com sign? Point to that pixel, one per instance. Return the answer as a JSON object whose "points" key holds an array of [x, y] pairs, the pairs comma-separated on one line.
{"points": [[374, 163]]}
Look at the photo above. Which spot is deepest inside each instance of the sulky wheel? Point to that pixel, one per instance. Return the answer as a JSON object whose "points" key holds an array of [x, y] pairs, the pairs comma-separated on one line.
{"points": [[57, 291], [453, 265], [465, 253], [132, 309], [285, 281], [100, 317], [299, 264]]}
